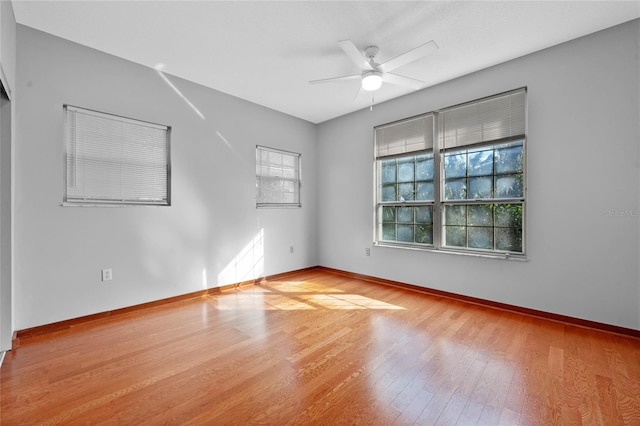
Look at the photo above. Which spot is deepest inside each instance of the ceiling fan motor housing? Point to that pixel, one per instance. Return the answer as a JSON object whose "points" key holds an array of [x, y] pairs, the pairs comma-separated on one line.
{"points": [[371, 52]]}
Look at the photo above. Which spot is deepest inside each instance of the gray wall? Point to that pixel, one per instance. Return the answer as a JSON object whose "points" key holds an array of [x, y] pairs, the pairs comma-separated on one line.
{"points": [[8, 42], [7, 108], [583, 156], [211, 235]]}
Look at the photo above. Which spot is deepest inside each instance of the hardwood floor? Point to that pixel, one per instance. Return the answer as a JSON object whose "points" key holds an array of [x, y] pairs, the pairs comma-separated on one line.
{"points": [[321, 348]]}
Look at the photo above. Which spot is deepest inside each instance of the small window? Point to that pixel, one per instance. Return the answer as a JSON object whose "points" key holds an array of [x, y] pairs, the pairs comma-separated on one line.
{"points": [[277, 178], [115, 160]]}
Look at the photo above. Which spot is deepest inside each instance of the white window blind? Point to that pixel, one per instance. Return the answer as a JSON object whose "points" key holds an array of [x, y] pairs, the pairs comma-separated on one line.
{"points": [[491, 119], [277, 178], [411, 135], [115, 160]]}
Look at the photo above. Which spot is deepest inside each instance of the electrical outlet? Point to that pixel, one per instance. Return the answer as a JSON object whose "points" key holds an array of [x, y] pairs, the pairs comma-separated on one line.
{"points": [[106, 275], [290, 249], [367, 251]]}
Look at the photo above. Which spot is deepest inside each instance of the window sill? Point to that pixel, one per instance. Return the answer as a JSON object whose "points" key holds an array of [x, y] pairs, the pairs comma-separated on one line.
{"points": [[502, 256], [282, 206], [111, 205]]}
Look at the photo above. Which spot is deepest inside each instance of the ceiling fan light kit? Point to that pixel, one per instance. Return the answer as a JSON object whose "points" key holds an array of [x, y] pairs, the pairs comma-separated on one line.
{"points": [[371, 80]]}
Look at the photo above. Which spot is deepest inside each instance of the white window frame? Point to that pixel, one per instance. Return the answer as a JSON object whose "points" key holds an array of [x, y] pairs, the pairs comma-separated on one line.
{"points": [[278, 178], [441, 137], [111, 160]]}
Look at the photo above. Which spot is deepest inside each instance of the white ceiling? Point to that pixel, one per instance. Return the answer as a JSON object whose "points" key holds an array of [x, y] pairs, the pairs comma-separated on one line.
{"points": [[267, 51]]}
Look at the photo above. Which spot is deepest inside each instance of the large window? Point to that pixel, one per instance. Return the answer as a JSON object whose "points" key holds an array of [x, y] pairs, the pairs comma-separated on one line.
{"points": [[454, 179], [277, 178], [114, 160]]}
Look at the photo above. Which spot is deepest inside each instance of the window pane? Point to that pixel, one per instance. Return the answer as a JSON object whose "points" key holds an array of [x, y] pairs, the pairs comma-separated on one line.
{"points": [[389, 231], [480, 187], [480, 215], [424, 234], [455, 215], [509, 160], [509, 239], [388, 214], [424, 214], [425, 191], [405, 171], [509, 186], [508, 215], [405, 233], [481, 237], [455, 165], [424, 167], [456, 236], [480, 162], [388, 171], [455, 189], [389, 193], [405, 214], [406, 191]]}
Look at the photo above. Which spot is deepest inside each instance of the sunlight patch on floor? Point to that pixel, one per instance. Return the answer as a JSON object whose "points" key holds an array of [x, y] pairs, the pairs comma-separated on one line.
{"points": [[348, 301], [302, 286], [288, 297]]}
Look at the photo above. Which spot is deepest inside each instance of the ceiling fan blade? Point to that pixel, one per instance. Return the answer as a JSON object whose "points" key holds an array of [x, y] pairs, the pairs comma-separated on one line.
{"points": [[403, 81], [411, 56], [360, 91], [355, 55], [331, 80]]}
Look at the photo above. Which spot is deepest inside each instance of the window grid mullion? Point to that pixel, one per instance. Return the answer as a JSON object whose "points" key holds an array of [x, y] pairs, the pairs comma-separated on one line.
{"points": [[405, 203], [438, 210], [483, 201]]}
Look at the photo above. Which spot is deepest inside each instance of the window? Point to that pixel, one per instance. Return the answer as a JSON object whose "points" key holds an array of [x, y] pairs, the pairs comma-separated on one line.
{"points": [[406, 172], [115, 160], [277, 178], [458, 185]]}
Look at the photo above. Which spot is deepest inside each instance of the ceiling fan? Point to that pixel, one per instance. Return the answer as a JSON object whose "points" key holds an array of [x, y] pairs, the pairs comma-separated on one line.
{"points": [[373, 74]]}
